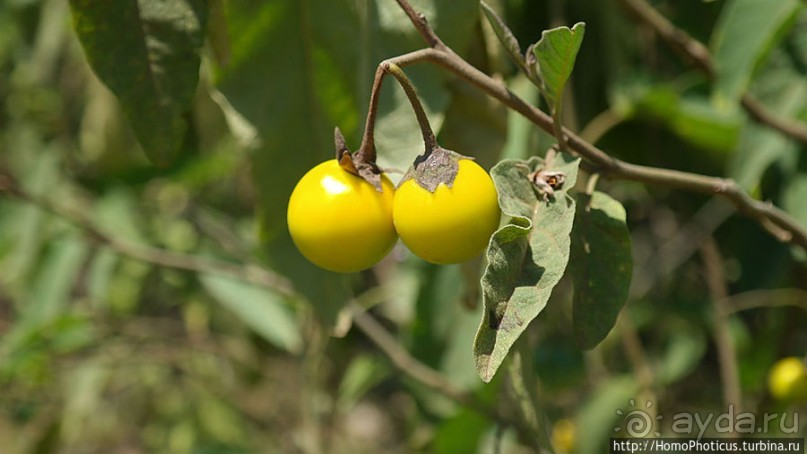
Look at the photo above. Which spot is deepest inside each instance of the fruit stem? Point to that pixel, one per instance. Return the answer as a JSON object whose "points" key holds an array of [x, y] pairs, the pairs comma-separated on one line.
{"points": [[429, 141], [366, 152]]}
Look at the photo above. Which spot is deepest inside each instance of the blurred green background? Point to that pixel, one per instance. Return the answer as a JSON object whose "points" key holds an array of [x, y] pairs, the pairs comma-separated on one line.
{"points": [[103, 352]]}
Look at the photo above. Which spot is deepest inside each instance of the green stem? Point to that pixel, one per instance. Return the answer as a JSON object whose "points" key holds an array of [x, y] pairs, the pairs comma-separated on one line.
{"points": [[557, 128]]}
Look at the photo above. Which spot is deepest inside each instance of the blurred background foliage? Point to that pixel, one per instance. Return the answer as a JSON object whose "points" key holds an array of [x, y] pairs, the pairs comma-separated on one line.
{"points": [[101, 352]]}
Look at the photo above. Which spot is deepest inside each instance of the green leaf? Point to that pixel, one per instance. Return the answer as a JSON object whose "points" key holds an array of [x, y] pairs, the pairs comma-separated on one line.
{"points": [[26, 223], [683, 351], [781, 86], [219, 419], [598, 415], [526, 258], [556, 53], [51, 291], [263, 310], [694, 118], [146, 52], [746, 31], [505, 36], [461, 433], [84, 394], [361, 375], [465, 430], [601, 266], [523, 388]]}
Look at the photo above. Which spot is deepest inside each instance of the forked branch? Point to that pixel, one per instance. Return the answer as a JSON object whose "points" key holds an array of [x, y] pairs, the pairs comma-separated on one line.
{"points": [[694, 52], [253, 274], [780, 224]]}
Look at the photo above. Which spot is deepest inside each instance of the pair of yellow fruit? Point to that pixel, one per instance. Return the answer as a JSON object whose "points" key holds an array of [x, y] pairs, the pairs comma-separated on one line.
{"points": [[342, 223]]}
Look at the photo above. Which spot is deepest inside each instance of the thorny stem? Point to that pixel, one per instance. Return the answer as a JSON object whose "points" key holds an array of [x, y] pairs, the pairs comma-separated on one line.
{"points": [[698, 55], [780, 224]]}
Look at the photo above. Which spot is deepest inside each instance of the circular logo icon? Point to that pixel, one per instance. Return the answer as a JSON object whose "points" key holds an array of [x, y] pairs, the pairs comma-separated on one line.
{"points": [[638, 423]]}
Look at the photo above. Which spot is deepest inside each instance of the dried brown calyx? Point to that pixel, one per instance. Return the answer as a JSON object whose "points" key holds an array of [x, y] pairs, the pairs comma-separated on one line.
{"points": [[361, 163], [436, 166]]}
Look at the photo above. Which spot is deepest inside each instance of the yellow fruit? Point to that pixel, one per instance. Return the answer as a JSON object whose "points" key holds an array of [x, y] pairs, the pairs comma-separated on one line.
{"points": [[339, 221], [450, 225], [787, 379], [563, 436]]}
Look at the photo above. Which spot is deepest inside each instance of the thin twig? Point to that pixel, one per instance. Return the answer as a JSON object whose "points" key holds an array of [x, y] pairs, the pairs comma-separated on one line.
{"points": [[160, 257], [678, 249], [638, 359], [312, 381], [726, 351], [780, 224], [763, 115], [688, 47], [591, 183], [698, 55], [422, 373], [422, 25], [767, 298], [401, 359], [600, 125]]}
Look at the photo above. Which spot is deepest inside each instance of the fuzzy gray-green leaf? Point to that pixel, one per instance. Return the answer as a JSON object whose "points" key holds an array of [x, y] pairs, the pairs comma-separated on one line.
{"points": [[146, 52], [556, 53], [526, 258], [601, 266]]}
